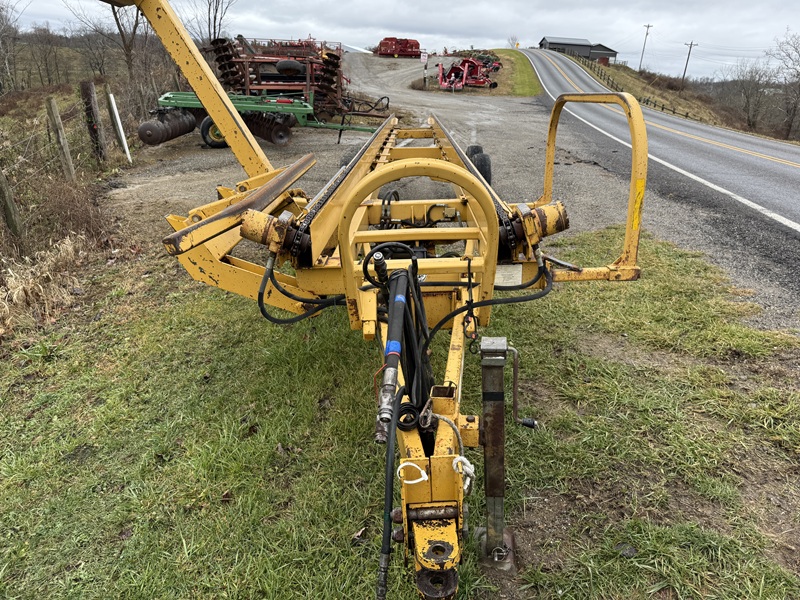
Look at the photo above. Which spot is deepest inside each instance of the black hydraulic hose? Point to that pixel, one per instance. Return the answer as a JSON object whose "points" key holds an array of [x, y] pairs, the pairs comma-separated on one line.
{"points": [[394, 352], [330, 301], [398, 288], [423, 374], [493, 302], [381, 248], [411, 350], [388, 498], [419, 306], [277, 320], [521, 286]]}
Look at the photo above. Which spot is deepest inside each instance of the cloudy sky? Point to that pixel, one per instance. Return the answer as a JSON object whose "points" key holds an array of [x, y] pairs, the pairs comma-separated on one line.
{"points": [[725, 30]]}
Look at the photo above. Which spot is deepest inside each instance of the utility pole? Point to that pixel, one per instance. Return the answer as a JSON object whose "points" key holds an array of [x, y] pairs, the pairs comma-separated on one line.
{"points": [[643, 45], [691, 45]]}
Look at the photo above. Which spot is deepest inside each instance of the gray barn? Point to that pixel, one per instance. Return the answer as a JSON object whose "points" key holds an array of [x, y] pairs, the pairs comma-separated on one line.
{"points": [[578, 46]]}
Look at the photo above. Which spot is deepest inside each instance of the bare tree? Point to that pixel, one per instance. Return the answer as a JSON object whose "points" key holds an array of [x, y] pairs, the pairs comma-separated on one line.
{"points": [[9, 36], [513, 41], [787, 53], [206, 19], [96, 50], [43, 47], [751, 80], [127, 25]]}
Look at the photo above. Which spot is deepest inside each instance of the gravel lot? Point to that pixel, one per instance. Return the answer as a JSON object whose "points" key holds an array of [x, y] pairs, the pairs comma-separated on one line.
{"points": [[182, 174]]}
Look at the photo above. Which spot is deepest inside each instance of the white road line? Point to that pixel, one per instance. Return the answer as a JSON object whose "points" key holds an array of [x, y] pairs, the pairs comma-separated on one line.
{"points": [[748, 203]]}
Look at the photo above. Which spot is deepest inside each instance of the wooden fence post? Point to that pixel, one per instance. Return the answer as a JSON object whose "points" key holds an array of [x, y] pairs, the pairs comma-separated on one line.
{"points": [[93, 122], [10, 210], [61, 139]]}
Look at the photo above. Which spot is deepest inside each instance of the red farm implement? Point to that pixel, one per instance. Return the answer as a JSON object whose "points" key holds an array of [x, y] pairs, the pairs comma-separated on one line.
{"points": [[469, 72], [399, 47]]}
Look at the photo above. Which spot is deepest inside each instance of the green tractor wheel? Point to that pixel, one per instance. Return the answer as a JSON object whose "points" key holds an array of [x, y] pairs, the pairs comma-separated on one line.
{"points": [[211, 134]]}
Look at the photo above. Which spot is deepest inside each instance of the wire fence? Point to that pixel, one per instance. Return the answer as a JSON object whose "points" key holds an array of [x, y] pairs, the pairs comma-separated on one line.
{"points": [[29, 150], [602, 75], [45, 168]]}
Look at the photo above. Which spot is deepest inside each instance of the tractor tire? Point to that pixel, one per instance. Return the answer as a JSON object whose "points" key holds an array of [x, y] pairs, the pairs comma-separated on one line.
{"points": [[280, 134], [483, 163], [290, 67], [211, 134], [473, 150]]}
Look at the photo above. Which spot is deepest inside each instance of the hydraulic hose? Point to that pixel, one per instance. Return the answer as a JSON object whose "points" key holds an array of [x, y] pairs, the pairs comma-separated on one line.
{"points": [[388, 499], [268, 269], [493, 302], [398, 287], [524, 285], [330, 301]]}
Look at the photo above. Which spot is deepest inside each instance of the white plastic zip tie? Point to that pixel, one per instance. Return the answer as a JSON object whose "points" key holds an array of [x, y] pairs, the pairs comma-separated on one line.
{"points": [[422, 473]]}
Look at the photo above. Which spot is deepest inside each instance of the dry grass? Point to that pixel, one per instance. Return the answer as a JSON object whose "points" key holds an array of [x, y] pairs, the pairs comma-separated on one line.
{"points": [[665, 90], [34, 289]]}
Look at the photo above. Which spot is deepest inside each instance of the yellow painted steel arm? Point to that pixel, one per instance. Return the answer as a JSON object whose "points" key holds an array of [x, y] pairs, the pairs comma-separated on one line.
{"points": [[183, 51]]}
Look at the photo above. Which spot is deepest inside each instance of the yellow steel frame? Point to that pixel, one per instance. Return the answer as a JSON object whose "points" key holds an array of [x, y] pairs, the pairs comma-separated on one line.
{"points": [[625, 268], [345, 228]]}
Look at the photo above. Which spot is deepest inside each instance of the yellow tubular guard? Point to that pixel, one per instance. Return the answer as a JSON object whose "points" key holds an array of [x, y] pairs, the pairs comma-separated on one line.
{"points": [[625, 267]]}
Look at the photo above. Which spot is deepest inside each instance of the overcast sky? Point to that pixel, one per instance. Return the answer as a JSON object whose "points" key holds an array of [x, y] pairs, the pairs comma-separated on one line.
{"points": [[725, 30]]}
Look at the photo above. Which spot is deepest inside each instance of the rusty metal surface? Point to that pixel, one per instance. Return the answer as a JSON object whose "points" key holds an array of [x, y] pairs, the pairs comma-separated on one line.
{"points": [[437, 585], [230, 217], [425, 514], [436, 544]]}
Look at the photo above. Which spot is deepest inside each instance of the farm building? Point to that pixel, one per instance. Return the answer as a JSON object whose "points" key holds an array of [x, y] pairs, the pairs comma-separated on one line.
{"points": [[578, 46]]}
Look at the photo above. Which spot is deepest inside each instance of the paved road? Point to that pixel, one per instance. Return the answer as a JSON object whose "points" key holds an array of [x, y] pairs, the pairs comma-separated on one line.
{"points": [[762, 174], [732, 195]]}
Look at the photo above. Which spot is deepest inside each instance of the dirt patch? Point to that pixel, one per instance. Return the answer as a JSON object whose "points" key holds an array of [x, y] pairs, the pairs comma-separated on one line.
{"points": [[778, 371], [619, 350], [772, 499]]}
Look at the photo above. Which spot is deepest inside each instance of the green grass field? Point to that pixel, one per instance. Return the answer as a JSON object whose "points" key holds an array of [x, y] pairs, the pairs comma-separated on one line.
{"points": [[523, 79], [162, 441]]}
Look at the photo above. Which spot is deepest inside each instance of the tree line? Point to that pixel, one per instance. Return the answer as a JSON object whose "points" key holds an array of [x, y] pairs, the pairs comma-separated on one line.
{"points": [[109, 43], [764, 93]]}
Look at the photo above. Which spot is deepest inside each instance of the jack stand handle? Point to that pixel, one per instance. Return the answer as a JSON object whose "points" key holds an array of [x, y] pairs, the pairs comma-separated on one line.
{"points": [[527, 421]]}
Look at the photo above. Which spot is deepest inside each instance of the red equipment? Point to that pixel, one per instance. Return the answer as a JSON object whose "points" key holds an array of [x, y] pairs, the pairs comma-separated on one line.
{"points": [[267, 67], [397, 47], [469, 72]]}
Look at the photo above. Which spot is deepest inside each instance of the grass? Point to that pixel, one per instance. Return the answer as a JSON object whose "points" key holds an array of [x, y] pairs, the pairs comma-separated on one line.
{"points": [[683, 561], [523, 78], [663, 90], [162, 441]]}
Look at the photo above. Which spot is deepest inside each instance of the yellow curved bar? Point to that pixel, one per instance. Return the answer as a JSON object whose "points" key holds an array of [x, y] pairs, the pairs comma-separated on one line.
{"points": [[633, 112], [424, 167]]}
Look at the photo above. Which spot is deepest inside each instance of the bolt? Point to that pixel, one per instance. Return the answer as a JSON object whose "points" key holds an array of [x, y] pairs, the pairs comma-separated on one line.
{"points": [[471, 419], [398, 535]]}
